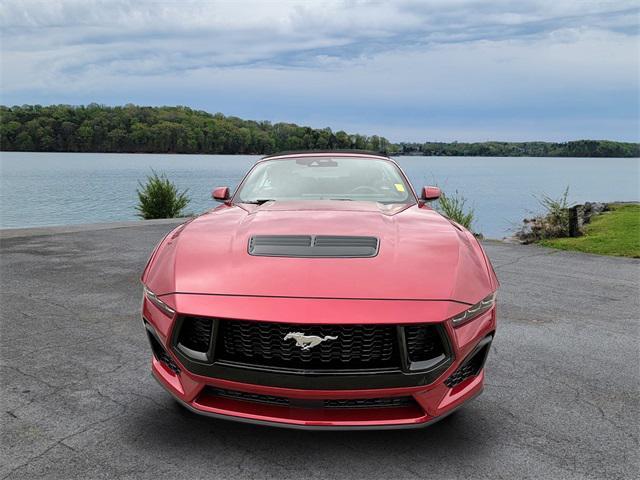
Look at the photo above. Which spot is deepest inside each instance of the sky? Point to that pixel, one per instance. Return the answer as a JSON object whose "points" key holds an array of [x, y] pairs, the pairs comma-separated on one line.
{"points": [[431, 70]]}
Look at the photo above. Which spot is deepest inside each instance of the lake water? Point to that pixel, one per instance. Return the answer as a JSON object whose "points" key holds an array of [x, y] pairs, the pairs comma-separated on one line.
{"points": [[38, 189]]}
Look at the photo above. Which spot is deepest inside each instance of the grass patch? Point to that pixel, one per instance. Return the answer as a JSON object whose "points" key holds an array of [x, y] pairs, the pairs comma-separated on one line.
{"points": [[616, 232]]}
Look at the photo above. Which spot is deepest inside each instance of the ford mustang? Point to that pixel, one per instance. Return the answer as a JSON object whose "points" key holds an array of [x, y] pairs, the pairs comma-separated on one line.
{"points": [[324, 293]]}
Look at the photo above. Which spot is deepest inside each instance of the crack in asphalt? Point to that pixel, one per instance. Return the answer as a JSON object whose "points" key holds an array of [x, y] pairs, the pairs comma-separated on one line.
{"points": [[59, 442], [525, 257]]}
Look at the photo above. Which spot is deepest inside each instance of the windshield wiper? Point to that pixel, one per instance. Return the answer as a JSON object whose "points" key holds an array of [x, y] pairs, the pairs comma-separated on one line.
{"points": [[259, 201]]}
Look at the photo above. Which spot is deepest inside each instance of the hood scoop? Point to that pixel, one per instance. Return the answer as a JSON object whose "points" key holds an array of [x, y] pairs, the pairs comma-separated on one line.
{"points": [[313, 246]]}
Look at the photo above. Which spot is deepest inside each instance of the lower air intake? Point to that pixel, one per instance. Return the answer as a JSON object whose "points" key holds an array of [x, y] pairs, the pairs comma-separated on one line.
{"points": [[161, 354], [471, 366], [385, 402]]}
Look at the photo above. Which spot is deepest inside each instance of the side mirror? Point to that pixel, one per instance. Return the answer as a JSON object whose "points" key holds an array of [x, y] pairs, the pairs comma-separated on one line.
{"points": [[221, 194], [429, 194]]}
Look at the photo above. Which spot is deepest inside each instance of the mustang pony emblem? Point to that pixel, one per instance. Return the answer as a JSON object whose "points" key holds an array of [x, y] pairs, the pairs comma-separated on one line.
{"points": [[305, 342]]}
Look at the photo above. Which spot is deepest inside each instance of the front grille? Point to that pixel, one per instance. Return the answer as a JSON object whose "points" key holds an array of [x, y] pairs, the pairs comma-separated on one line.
{"points": [[386, 402], [195, 333], [424, 342], [263, 344]]}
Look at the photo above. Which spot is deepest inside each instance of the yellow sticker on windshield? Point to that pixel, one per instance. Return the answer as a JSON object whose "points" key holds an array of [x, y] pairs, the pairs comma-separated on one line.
{"points": [[399, 187]]}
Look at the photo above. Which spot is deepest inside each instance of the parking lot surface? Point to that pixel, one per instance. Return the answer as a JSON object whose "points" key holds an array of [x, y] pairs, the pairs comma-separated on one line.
{"points": [[78, 401]]}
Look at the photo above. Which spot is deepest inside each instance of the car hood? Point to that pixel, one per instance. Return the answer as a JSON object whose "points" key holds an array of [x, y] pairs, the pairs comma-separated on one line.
{"points": [[422, 256]]}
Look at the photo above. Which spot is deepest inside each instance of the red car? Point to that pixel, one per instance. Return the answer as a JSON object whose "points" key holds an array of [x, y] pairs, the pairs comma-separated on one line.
{"points": [[323, 294]]}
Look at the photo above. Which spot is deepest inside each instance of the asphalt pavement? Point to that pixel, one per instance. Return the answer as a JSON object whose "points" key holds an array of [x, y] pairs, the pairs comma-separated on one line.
{"points": [[78, 401]]}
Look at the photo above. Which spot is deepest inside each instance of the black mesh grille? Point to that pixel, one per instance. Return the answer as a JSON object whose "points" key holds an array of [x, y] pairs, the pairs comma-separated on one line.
{"points": [[470, 368], [195, 333], [423, 342], [264, 344], [337, 403]]}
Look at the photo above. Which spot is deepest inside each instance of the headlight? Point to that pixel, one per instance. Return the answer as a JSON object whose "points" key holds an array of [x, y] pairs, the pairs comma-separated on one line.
{"points": [[153, 298], [475, 310]]}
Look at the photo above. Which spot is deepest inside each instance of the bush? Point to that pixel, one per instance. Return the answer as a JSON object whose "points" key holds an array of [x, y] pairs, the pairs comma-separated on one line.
{"points": [[453, 207], [553, 223], [557, 214], [160, 198]]}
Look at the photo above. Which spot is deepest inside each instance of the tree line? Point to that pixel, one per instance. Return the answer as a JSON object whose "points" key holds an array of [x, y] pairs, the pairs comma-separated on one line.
{"points": [[137, 129], [577, 148]]}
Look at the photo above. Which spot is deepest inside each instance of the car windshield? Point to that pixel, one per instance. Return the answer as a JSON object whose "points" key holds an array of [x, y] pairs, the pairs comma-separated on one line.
{"points": [[325, 178]]}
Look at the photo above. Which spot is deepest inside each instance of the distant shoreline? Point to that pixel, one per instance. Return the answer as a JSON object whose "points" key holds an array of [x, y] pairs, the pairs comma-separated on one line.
{"points": [[393, 155], [138, 129]]}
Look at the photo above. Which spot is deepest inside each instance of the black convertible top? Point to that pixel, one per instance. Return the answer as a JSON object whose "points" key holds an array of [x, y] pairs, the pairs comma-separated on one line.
{"points": [[295, 152]]}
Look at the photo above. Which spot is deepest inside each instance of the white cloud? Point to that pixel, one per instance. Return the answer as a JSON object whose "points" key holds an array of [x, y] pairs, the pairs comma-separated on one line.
{"points": [[331, 61]]}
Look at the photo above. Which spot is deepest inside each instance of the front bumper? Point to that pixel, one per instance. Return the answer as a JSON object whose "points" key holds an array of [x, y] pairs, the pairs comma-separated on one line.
{"points": [[262, 403]]}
